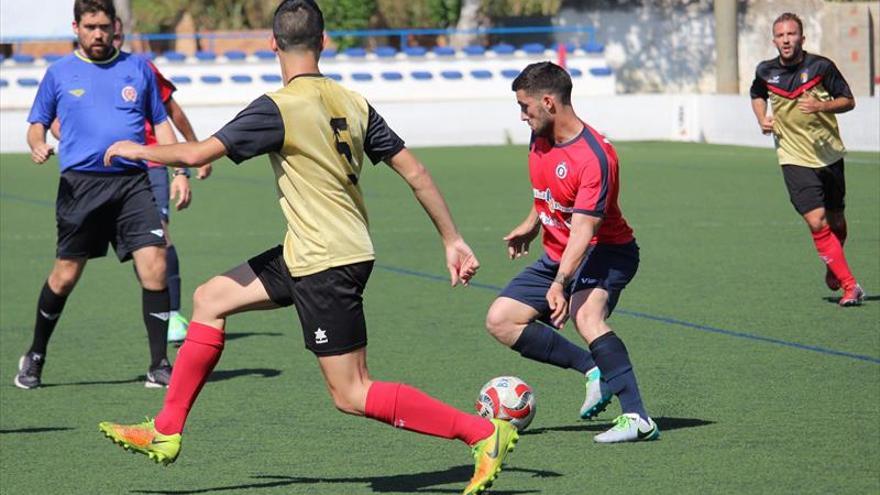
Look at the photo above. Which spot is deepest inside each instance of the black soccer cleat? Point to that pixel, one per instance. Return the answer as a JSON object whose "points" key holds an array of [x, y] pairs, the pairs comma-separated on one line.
{"points": [[159, 376], [30, 371]]}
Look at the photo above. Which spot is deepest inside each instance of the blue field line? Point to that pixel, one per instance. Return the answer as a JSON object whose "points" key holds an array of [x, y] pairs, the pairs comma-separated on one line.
{"points": [[22, 199], [663, 319]]}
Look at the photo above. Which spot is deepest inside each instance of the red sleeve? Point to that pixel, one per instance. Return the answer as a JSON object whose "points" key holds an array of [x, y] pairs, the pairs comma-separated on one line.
{"points": [[593, 189], [166, 87]]}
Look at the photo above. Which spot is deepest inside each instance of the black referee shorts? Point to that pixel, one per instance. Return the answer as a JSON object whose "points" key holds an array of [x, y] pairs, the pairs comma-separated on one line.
{"points": [[811, 188], [330, 303], [93, 210]]}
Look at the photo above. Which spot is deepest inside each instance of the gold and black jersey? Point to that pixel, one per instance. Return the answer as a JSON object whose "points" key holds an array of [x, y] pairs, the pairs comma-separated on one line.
{"points": [[810, 140], [317, 134]]}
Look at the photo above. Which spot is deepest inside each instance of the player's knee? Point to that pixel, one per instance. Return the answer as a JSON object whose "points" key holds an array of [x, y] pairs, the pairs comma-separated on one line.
{"points": [[498, 324], [62, 282], [205, 298], [590, 325]]}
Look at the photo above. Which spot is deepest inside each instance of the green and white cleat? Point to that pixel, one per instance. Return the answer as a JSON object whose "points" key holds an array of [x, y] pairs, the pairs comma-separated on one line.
{"points": [[144, 438], [630, 427], [595, 402], [489, 455], [177, 325]]}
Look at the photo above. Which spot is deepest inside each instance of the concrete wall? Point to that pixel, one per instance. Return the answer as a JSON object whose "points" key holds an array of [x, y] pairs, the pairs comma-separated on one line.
{"points": [[669, 46]]}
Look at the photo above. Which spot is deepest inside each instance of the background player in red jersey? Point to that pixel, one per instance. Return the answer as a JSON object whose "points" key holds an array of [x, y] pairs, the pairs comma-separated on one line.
{"points": [[590, 254], [806, 90]]}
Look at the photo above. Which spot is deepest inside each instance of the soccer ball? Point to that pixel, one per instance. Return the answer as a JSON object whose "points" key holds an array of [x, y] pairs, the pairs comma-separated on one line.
{"points": [[508, 398]]}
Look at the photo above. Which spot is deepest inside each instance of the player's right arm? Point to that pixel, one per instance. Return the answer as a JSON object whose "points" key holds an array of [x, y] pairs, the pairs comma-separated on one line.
{"points": [[36, 138], [759, 95], [460, 259], [189, 155], [522, 235], [41, 116]]}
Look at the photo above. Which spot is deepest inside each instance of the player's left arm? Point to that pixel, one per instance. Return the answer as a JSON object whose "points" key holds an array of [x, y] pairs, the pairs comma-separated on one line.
{"points": [[182, 123], [583, 228], [189, 155], [460, 259]]}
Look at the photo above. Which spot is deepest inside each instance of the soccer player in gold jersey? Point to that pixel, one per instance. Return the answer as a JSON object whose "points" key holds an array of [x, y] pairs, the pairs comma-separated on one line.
{"points": [[805, 91], [317, 134]]}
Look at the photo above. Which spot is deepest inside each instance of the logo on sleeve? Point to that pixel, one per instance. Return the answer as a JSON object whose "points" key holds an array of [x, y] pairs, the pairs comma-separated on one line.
{"points": [[321, 336], [774, 79], [561, 170], [129, 94], [77, 92]]}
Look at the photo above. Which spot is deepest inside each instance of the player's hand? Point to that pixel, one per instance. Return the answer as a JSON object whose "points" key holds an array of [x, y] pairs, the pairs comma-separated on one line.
{"points": [[461, 262], [558, 305], [181, 191], [204, 171], [809, 104], [122, 149], [767, 124], [518, 240], [42, 152]]}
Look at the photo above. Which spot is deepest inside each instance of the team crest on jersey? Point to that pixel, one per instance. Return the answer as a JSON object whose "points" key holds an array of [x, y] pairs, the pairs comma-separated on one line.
{"points": [[77, 92], [804, 77], [561, 170], [129, 94]]}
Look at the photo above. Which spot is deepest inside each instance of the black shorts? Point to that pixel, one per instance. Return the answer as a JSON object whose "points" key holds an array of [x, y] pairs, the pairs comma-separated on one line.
{"points": [[93, 210], [811, 188], [330, 303]]}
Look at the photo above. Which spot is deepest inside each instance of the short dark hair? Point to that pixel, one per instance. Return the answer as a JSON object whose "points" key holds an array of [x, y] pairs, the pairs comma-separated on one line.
{"points": [[545, 77], [788, 16], [81, 7], [298, 24]]}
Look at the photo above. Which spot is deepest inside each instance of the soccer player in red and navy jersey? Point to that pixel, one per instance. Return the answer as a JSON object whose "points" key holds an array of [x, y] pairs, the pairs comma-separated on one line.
{"points": [[590, 255]]}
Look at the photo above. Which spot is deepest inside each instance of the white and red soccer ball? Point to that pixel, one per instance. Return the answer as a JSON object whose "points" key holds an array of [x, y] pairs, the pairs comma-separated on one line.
{"points": [[508, 398]]}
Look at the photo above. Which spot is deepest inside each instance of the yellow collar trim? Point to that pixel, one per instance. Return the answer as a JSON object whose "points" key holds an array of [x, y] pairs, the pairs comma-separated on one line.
{"points": [[87, 60]]}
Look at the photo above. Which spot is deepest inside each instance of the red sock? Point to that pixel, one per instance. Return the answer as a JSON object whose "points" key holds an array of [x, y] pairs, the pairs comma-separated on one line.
{"points": [[195, 360], [831, 252], [402, 406]]}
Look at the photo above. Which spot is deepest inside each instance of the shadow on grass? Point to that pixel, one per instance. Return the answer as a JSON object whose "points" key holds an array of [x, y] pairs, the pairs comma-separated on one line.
{"points": [[834, 299], [217, 376], [664, 423], [44, 429], [407, 483], [244, 335]]}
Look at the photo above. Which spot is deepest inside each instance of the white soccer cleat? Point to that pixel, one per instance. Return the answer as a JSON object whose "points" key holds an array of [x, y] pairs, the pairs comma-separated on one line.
{"points": [[595, 402], [630, 427]]}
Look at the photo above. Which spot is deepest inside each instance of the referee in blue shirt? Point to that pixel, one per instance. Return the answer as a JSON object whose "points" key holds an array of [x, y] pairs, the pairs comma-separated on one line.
{"points": [[100, 95]]}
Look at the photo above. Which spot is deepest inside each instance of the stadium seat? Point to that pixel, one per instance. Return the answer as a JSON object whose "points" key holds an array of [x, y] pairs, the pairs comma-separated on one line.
{"points": [[474, 50], [481, 74], [2, 58], [355, 52], [443, 51], [392, 76], [211, 79], [361, 76], [242, 79], [415, 51], [23, 58], [593, 47], [422, 75], [503, 49], [173, 56], [206, 56], [265, 54], [451, 74], [334, 76], [510, 73], [181, 79], [385, 52], [271, 78], [329, 53], [4, 83], [533, 48], [600, 71], [28, 82], [575, 72], [235, 55], [51, 57]]}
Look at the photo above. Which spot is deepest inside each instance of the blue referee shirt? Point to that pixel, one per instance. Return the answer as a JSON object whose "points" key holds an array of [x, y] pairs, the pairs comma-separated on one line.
{"points": [[98, 103]]}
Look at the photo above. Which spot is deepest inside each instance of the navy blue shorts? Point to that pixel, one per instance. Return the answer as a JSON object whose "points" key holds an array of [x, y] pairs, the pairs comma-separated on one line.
{"points": [[161, 187], [609, 266]]}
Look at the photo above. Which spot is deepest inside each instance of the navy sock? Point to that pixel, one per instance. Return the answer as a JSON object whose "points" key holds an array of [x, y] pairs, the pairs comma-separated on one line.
{"points": [[156, 314], [49, 307], [542, 343], [617, 372], [172, 270]]}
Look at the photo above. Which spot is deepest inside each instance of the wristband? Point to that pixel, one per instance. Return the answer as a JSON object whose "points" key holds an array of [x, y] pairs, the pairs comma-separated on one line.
{"points": [[181, 171]]}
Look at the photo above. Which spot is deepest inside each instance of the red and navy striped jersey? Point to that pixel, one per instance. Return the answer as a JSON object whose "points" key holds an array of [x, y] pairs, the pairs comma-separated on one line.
{"points": [[580, 176]]}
